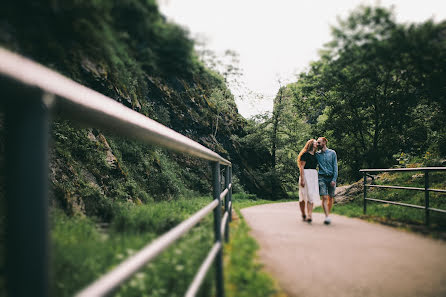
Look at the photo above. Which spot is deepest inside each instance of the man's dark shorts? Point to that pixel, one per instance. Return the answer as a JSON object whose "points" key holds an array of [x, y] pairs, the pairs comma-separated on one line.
{"points": [[325, 187]]}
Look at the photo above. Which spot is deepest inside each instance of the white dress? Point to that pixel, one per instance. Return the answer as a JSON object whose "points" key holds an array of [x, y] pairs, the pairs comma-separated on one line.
{"points": [[310, 192]]}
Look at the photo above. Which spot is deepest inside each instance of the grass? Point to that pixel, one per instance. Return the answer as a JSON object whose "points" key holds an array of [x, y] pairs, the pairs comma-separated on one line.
{"points": [[244, 275], [82, 251], [243, 200]]}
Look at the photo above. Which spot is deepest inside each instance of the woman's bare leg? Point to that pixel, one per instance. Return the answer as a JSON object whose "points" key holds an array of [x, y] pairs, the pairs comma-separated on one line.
{"points": [[302, 209], [310, 210]]}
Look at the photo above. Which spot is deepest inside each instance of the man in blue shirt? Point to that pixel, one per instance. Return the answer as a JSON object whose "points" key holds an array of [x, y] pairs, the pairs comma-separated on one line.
{"points": [[328, 173]]}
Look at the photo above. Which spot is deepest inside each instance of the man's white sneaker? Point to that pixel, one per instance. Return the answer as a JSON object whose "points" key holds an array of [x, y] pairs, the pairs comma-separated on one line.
{"points": [[327, 221]]}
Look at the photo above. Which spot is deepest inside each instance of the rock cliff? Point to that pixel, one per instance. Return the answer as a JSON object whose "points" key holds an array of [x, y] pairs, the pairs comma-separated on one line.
{"points": [[129, 52]]}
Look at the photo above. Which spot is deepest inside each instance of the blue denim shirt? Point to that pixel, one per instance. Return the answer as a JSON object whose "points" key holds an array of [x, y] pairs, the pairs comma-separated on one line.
{"points": [[328, 163]]}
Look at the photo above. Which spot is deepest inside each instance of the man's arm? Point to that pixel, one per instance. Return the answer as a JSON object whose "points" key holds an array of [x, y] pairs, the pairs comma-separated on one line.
{"points": [[335, 167]]}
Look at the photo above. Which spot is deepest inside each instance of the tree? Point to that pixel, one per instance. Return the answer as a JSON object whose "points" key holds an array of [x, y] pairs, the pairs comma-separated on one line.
{"points": [[367, 89], [277, 111], [227, 64], [222, 102]]}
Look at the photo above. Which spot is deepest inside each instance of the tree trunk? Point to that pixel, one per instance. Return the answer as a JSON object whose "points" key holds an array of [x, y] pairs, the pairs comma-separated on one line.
{"points": [[377, 125], [276, 116], [216, 127]]}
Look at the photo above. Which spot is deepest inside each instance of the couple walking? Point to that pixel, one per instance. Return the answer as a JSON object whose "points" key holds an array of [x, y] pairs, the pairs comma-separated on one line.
{"points": [[313, 183]]}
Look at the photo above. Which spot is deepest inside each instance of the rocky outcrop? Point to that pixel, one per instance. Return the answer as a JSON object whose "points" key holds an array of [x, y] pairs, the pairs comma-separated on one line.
{"points": [[345, 194]]}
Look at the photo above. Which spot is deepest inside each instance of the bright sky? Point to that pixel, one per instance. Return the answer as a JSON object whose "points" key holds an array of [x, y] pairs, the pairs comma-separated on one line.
{"points": [[277, 39]]}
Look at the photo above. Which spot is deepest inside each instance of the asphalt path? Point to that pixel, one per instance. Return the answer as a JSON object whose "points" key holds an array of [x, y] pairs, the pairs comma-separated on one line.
{"points": [[350, 257]]}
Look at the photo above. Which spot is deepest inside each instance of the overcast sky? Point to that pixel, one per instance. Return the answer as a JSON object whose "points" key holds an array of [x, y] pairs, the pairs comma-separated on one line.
{"points": [[277, 39]]}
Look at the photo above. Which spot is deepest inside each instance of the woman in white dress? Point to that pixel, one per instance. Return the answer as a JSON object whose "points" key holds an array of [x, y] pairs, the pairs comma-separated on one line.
{"points": [[308, 180]]}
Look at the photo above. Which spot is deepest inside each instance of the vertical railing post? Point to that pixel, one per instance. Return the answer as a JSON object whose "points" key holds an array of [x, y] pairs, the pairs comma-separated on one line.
{"points": [[27, 238], [217, 230], [227, 168], [230, 193], [365, 192], [426, 196]]}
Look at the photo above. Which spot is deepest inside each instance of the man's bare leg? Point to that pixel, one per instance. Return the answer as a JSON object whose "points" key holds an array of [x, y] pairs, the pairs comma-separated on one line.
{"points": [[325, 205], [330, 204], [302, 209]]}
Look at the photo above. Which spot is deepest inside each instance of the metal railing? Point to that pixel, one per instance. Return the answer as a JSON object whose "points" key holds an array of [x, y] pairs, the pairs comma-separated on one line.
{"points": [[426, 189], [30, 94]]}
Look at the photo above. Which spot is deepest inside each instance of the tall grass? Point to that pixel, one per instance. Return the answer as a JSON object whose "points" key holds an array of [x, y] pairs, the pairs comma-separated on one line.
{"points": [[82, 251]]}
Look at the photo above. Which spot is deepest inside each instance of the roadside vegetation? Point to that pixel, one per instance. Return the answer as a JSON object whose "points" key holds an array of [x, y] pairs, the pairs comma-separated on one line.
{"points": [[245, 276], [84, 249]]}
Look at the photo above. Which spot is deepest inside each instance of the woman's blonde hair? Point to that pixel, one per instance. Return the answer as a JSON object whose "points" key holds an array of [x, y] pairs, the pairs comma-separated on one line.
{"points": [[308, 146]]}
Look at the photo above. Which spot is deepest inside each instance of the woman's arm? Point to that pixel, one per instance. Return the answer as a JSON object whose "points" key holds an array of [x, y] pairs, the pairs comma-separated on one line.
{"points": [[301, 170]]}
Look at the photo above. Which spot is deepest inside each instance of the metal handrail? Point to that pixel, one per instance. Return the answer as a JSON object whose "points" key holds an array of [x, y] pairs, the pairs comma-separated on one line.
{"points": [[426, 189], [404, 169], [224, 222], [199, 277], [224, 193], [27, 118], [82, 104], [406, 188], [127, 268], [396, 203], [395, 187]]}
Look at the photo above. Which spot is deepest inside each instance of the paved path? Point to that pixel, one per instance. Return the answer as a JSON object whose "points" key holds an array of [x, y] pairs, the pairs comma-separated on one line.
{"points": [[350, 257]]}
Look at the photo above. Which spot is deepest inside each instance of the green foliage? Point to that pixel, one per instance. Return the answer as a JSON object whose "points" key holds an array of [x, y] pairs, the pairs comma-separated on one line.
{"points": [[375, 90], [394, 213], [82, 252], [221, 101], [155, 217], [243, 200], [90, 173], [257, 152], [273, 142], [128, 51]]}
